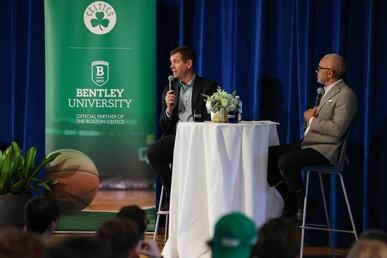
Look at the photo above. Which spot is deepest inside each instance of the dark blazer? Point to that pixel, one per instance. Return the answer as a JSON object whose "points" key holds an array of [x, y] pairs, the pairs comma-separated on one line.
{"points": [[201, 86], [334, 115]]}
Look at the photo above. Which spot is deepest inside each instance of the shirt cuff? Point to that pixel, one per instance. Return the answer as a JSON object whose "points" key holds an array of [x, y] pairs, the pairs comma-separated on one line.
{"points": [[310, 120], [168, 115]]}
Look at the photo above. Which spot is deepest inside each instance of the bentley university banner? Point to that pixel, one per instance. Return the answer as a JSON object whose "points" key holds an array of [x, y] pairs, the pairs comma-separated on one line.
{"points": [[100, 83]]}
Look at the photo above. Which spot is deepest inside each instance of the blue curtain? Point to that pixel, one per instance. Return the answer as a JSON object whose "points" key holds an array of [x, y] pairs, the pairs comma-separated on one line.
{"points": [[266, 50], [22, 90]]}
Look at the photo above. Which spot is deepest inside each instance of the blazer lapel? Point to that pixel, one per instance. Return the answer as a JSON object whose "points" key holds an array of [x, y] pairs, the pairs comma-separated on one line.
{"points": [[197, 88], [329, 95]]}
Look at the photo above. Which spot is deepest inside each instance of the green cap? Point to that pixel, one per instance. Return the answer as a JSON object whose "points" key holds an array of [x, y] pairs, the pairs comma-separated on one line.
{"points": [[235, 234]]}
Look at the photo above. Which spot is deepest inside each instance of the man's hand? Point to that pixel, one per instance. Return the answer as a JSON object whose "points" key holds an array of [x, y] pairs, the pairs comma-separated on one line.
{"points": [[170, 100], [308, 114]]}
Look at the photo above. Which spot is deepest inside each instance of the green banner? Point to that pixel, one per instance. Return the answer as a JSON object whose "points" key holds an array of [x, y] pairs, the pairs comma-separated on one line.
{"points": [[100, 83]]}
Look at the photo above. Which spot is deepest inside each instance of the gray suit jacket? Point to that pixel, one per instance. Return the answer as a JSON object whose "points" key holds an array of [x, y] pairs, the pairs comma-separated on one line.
{"points": [[334, 115]]}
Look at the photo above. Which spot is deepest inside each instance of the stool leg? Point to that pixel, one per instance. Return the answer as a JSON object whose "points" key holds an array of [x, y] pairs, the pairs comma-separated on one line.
{"points": [[303, 219], [156, 226], [158, 212], [348, 206], [326, 214], [166, 228]]}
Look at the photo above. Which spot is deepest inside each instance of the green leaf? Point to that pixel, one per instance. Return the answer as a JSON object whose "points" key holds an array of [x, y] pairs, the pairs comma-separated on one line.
{"points": [[99, 15], [29, 166], [94, 23]]}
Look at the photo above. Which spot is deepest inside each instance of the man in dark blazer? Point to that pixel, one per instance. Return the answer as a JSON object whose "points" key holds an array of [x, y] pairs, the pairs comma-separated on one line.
{"points": [[178, 104], [323, 136]]}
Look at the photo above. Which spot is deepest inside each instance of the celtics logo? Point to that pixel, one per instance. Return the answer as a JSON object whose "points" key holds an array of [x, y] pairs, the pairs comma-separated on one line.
{"points": [[99, 17], [100, 72]]}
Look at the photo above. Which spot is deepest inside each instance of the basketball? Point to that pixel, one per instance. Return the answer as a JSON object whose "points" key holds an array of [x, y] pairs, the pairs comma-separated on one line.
{"points": [[77, 180]]}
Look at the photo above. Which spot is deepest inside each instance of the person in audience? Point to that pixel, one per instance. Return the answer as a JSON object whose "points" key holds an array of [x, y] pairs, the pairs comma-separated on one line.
{"points": [[325, 126], [374, 234], [78, 247], [277, 238], [178, 104], [40, 215], [234, 236], [365, 248], [137, 215], [121, 236], [18, 244]]}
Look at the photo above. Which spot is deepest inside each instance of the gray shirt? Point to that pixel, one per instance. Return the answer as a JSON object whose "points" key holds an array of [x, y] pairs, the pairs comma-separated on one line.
{"points": [[185, 101]]}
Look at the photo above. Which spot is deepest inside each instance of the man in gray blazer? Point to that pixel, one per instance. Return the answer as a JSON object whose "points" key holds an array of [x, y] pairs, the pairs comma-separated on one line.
{"points": [[324, 130]]}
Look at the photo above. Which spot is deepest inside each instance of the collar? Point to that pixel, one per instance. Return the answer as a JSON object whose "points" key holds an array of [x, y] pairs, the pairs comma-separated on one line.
{"points": [[329, 87], [189, 84]]}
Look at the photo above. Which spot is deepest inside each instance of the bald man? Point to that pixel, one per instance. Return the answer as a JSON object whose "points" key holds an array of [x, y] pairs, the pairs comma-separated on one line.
{"points": [[324, 130]]}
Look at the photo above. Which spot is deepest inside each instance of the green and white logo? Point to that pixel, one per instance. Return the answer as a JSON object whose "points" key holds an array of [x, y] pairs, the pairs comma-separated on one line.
{"points": [[100, 72], [99, 17]]}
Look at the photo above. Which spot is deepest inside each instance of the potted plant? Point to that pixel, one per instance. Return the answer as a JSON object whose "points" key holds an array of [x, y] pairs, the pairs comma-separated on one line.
{"points": [[220, 104], [18, 179]]}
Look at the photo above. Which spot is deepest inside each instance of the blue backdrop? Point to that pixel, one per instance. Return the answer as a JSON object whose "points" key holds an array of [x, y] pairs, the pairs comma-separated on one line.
{"points": [[265, 49]]}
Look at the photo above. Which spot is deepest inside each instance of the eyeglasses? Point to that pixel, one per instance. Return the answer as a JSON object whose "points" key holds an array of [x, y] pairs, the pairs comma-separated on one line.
{"points": [[318, 68]]}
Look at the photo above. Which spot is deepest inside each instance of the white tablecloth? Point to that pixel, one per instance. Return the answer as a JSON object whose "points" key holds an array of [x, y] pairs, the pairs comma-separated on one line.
{"points": [[218, 168]]}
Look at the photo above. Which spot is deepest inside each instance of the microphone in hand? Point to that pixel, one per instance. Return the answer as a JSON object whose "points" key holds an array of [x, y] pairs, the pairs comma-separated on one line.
{"points": [[320, 93], [170, 79]]}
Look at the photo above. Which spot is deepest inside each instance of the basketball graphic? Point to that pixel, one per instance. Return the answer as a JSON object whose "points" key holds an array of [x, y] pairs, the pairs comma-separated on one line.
{"points": [[77, 180]]}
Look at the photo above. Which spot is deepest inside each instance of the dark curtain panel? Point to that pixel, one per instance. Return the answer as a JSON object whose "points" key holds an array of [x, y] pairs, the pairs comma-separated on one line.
{"points": [[267, 50]]}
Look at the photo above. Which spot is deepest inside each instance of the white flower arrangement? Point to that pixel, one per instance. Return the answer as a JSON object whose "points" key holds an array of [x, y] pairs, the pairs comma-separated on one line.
{"points": [[221, 99]]}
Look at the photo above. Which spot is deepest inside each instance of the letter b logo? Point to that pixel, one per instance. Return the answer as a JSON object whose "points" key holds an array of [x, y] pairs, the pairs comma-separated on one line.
{"points": [[100, 72]]}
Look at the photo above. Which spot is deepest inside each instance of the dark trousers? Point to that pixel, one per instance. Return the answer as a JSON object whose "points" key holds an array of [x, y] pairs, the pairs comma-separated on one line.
{"points": [[286, 161], [160, 156]]}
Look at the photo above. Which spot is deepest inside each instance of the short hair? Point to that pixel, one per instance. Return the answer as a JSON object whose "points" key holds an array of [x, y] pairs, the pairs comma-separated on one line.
{"points": [[39, 213], [278, 238], [17, 244], [337, 63], [77, 247], [121, 235], [374, 234], [365, 248], [135, 214], [186, 53]]}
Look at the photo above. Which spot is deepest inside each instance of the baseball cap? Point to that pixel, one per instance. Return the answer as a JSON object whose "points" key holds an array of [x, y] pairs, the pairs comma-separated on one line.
{"points": [[235, 234]]}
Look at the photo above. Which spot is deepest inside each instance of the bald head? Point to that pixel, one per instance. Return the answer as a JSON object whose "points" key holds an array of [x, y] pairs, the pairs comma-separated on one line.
{"points": [[335, 62]]}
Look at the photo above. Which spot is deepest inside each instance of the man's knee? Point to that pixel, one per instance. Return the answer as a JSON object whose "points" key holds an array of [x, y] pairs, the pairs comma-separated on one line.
{"points": [[153, 152], [284, 163]]}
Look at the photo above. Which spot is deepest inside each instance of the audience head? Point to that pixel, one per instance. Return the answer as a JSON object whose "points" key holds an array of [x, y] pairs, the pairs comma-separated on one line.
{"points": [[365, 248], [234, 236], [135, 214], [40, 215], [121, 236], [18, 244], [77, 247], [278, 238], [375, 234]]}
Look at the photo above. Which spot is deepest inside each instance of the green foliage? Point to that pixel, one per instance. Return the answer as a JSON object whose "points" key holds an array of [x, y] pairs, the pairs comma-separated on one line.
{"points": [[221, 100], [18, 173]]}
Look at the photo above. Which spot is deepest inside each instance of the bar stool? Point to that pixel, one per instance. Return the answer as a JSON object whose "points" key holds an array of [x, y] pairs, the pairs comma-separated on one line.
{"points": [[159, 213], [334, 170]]}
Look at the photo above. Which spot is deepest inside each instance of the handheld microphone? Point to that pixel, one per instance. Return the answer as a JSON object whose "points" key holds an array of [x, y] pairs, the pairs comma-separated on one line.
{"points": [[170, 79], [320, 93]]}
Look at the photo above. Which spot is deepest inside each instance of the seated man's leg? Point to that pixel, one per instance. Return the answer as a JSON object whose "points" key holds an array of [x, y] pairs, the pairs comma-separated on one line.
{"points": [[291, 164], [160, 156], [276, 179]]}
